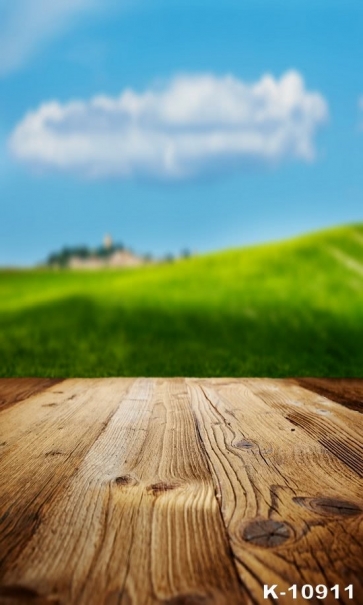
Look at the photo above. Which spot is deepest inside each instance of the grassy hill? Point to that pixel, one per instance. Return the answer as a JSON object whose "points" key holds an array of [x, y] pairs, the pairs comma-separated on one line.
{"points": [[291, 308]]}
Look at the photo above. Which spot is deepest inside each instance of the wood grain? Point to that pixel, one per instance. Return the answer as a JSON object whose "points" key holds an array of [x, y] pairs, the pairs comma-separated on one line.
{"points": [[44, 441], [138, 512], [331, 425], [178, 492], [270, 474], [347, 391], [13, 390]]}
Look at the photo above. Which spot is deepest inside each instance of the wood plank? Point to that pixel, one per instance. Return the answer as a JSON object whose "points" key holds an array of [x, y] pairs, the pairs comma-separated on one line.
{"points": [[13, 390], [292, 509], [136, 522], [347, 391], [338, 429], [46, 438]]}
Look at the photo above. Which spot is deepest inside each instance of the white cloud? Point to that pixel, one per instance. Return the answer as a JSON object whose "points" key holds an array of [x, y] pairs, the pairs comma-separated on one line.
{"points": [[25, 25], [193, 125]]}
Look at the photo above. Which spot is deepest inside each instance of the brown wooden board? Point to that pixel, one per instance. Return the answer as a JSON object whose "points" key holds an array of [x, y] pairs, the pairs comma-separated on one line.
{"points": [[347, 391], [13, 390], [178, 492]]}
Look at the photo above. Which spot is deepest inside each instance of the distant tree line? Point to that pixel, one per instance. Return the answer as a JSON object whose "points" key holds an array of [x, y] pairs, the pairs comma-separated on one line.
{"points": [[65, 255]]}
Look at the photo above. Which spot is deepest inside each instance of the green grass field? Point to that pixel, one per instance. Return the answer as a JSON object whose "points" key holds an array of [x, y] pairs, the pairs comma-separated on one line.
{"points": [[292, 308]]}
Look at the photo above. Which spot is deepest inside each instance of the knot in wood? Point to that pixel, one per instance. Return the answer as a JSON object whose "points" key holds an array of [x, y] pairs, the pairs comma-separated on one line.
{"points": [[267, 533], [161, 487], [244, 444], [54, 453], [125, 481], [333, 506]]}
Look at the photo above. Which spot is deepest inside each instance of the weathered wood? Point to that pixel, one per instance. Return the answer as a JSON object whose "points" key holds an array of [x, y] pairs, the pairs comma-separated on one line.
{"points": [[340, 431], [138, 516], [280, 490], [44, 440], [174, 491], [13, 390], [347, 391]]}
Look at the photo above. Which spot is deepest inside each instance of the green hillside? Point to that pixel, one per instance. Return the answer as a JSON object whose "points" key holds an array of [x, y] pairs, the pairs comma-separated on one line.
{"points": [[291, 308]]}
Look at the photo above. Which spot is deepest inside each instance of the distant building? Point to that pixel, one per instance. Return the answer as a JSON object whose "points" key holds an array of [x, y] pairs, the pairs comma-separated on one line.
{"points": [[110, 254], [119, 258], [124, 258], [107, 242]]}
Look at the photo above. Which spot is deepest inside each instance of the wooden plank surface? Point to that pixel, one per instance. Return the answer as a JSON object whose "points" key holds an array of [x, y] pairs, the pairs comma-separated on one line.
{"points": [[13, 390], [347, 391], [179, 491]]}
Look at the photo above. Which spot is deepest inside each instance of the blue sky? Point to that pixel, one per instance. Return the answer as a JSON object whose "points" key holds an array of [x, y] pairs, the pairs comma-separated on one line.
{"points": [[71, 178]]}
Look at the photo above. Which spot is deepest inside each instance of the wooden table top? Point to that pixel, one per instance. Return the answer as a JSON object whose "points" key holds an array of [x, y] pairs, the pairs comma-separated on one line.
{"points": [[180, 491]]}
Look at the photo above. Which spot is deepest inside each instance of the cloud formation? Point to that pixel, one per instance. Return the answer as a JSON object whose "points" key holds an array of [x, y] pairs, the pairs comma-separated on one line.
{"points": [[27, 24], [195, 124]]}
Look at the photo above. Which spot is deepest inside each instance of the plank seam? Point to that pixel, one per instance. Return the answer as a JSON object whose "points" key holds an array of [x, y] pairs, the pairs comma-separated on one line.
{"points": [[226, 535]]}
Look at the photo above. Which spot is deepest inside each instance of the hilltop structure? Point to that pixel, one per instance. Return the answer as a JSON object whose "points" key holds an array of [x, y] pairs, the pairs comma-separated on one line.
{"points": [[108, 255], [118, 258]]}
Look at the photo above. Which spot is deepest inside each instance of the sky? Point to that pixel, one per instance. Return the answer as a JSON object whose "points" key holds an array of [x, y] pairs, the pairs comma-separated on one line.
{"points": [[177, 125]]}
